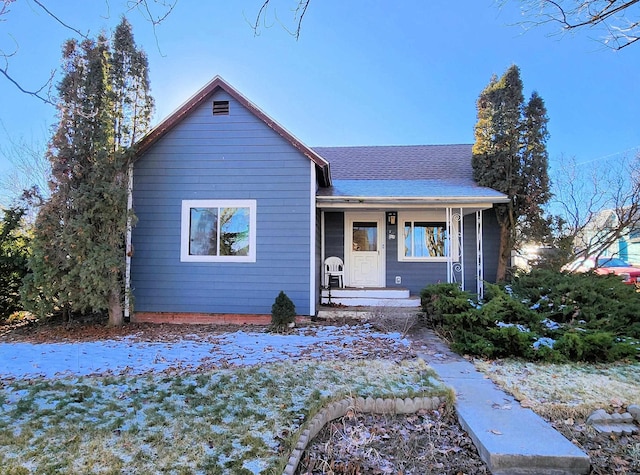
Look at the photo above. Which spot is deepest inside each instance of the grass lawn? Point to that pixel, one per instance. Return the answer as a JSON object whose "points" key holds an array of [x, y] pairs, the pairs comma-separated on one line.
{"points": [[234, 421], [577, 388]]}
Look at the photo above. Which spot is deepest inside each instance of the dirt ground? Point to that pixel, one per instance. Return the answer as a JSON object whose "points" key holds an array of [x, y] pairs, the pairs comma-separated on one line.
{"points": [[430, 442]]}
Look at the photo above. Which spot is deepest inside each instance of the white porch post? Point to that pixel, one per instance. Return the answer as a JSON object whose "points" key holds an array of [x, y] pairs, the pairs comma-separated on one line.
{"points": [[460, 219], [455, 246], [450, 278], [479, 256], [322, 248]]}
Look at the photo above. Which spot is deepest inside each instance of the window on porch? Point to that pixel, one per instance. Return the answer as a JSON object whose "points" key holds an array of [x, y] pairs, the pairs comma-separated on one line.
{"points": [[426, 238]]}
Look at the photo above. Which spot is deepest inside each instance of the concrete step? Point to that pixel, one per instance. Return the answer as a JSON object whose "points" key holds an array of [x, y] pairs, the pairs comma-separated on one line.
{"points": [[363, 313], [510, 439], [367, 293], [413, 302]]}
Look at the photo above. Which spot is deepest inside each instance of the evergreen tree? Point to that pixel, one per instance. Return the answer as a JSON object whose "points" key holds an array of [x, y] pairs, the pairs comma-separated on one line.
{"points": [[509, 155], [130, 90], [79, 247], [535, 166]]}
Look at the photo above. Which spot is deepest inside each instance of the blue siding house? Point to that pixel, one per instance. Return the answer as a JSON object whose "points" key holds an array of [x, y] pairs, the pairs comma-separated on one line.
{"points": [[231, 209]]}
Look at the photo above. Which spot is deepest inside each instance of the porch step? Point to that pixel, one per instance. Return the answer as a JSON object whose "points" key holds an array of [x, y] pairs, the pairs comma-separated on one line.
{"points": [[367, 293], [365, 313], [413, 302], [370, 298]]}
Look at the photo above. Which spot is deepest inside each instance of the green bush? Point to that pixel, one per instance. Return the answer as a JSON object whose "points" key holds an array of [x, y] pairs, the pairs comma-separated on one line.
{"points": [[442, 300], [283, 311], [511, 341], [466, 342], [544, 315], [602, 302], [14, 252]]}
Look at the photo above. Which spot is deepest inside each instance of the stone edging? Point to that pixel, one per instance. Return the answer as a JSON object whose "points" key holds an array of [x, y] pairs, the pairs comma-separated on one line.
{"points": [[616, 423], [340, 408]]}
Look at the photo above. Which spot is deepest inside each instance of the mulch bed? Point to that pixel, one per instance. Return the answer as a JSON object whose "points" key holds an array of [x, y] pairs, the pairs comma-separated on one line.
{"points": [[429, 442], [608, 453]]}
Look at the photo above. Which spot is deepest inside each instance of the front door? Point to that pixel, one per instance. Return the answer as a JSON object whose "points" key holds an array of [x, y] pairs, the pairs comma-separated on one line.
{"points": [[365, 246]]}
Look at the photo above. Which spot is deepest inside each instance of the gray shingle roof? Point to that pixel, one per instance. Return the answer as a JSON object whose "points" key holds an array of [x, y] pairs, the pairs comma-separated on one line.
{"points": [[418, 172], [402, 162]]}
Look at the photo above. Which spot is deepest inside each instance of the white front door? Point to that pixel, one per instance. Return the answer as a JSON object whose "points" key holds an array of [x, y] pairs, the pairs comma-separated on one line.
{"points": [[365, 249]]}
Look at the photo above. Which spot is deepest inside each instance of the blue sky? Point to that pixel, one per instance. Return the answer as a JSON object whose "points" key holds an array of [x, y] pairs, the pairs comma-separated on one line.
{"points": [[363, 72]]}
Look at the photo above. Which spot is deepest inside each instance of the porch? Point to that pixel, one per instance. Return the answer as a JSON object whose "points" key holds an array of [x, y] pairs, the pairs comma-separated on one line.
{"points": [[389, 255]]}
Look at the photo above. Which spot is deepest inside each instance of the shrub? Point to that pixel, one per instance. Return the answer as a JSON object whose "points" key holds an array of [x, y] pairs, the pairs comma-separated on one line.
{"points": [[14, 251], [283, 311], [466, 342], [511, 341], [441, 300], [543, 315], [602, 302]]}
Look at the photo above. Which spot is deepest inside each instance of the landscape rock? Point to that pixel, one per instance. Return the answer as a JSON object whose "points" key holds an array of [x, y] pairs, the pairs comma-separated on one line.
{"points": [[634, 410], [616, 423]]}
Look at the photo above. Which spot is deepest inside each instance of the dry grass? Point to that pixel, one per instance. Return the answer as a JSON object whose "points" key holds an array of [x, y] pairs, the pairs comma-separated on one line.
{"points": [[393, 319], [566, 390]]}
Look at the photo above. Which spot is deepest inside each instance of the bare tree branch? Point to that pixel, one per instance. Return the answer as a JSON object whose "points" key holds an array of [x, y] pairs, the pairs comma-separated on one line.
{"points": [[144, 6], [29, 173], [620, 22], [298, 15], [56, 18], [599, 204], [35, 93]]}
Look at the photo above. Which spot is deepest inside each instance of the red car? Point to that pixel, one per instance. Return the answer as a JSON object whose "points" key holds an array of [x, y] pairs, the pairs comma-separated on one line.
{"points": [[608, 265]]}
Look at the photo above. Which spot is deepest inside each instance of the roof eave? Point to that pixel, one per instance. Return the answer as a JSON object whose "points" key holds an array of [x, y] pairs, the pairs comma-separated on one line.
{"points": [[358, 201]]}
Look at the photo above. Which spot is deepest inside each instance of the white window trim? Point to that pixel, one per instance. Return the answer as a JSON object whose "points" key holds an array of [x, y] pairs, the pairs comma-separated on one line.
{"points": [[187, 205], [428, 217]]}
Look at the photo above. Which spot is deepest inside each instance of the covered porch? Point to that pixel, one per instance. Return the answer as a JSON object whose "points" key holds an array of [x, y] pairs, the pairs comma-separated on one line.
{"points": [[390, 253]]}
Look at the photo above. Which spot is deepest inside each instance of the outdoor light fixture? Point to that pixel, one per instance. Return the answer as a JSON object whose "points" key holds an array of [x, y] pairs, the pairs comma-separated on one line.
{"points": [[391, 218]]}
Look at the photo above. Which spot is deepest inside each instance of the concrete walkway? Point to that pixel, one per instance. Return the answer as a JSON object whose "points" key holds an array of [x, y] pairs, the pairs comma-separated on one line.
{"points": [[509, 438]]}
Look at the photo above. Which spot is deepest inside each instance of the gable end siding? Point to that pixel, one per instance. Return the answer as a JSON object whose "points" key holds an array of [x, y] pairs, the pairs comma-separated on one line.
{"points": [[227, 157]]}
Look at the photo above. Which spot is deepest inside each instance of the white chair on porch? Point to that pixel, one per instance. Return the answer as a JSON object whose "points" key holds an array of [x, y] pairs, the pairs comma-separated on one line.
{"points": [[333, 267]]}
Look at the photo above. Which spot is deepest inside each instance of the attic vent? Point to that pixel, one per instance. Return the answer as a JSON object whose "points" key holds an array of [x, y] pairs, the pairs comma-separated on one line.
{"points": [[220, 107]]}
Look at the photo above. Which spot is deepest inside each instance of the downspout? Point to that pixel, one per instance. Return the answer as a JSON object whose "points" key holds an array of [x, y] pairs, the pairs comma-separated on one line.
{"points": [[313, 271], [128, 244]]}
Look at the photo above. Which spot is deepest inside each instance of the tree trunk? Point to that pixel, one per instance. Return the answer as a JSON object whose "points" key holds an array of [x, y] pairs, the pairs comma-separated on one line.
{"points": [[116, 316], [504, 253]]}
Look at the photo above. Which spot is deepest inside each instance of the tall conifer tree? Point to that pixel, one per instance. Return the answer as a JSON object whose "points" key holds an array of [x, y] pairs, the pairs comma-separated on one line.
{"points": [[79, 248], [509, 155]]}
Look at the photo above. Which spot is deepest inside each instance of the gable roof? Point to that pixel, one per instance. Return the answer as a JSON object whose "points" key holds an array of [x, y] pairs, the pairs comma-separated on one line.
{"points": [[322, 166], [409, 174]]}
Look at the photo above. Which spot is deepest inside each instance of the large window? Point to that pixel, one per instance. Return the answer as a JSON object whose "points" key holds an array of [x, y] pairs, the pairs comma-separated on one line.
{"points": [[218, 231], [424, 238]]}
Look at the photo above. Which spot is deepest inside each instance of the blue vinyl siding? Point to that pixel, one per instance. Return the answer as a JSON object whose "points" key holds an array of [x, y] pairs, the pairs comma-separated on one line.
{"points": [[234, 157], [334, 234], [491, 244]]}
